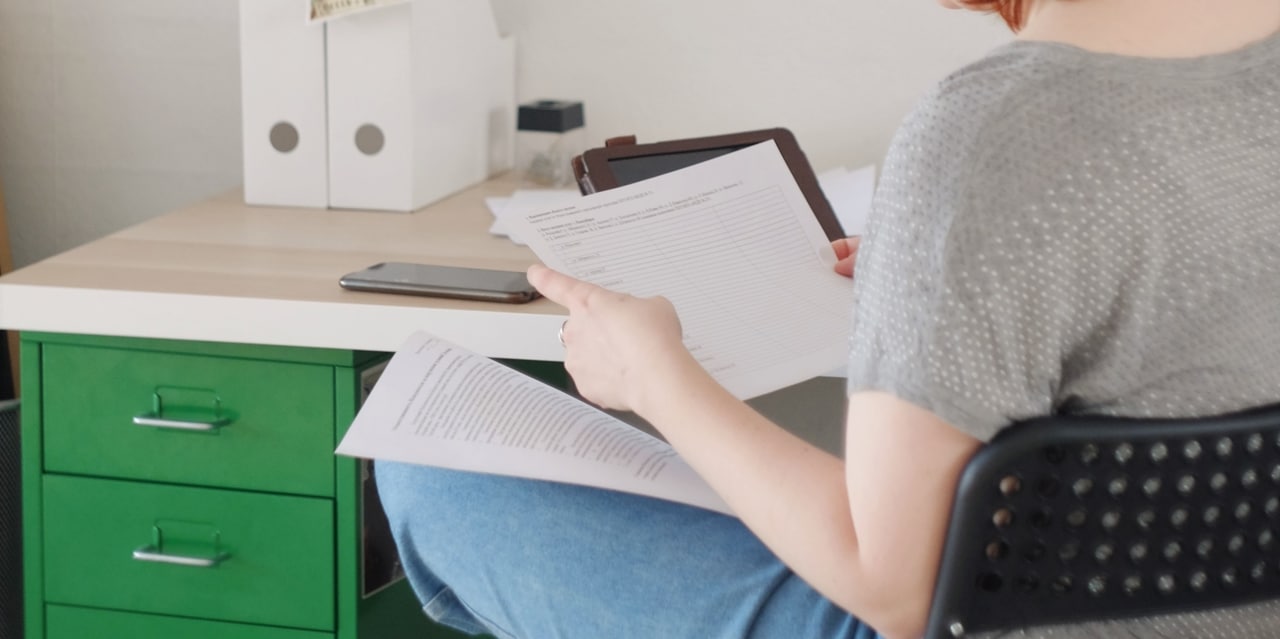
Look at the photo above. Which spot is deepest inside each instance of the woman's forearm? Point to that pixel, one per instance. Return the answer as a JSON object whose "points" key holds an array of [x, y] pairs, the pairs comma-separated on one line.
{"points": [[789, 492]]}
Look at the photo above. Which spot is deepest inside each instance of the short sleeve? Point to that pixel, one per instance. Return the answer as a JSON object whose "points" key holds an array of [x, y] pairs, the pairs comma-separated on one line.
{"points": [[955, 308]]}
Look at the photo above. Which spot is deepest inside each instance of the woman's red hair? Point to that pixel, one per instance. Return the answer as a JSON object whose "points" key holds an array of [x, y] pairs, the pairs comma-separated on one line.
{"points": [[1014, 12]]}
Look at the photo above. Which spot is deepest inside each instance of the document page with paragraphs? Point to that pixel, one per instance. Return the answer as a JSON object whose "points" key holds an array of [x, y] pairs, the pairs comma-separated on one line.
{"points": [[438, 404]]}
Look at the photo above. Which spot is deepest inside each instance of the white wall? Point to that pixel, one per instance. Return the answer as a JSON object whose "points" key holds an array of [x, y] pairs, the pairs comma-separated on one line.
{"points": [[115, 112]]}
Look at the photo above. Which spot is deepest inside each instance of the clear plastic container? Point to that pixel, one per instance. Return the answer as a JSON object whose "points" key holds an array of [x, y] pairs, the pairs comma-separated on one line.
{"points": [[548, 136]]}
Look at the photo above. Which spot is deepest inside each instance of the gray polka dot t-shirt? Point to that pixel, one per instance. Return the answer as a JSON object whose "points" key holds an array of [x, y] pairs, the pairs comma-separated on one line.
{"points": [[1058, 231]]}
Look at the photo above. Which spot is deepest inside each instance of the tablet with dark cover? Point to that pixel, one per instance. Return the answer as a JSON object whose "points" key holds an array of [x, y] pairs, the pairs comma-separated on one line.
{"points": [[621, 161]]}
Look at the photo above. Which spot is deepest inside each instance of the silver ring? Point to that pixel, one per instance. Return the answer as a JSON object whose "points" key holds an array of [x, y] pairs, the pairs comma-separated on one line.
{"points": [[560, 333]]}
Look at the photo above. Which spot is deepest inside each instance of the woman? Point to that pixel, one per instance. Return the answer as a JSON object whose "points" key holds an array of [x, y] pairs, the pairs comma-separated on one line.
{"points": [[1084, 221]]}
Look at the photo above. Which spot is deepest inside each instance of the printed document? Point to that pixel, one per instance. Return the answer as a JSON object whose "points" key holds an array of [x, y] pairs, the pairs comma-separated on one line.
{"points": [[731, 242], [438, 404]]}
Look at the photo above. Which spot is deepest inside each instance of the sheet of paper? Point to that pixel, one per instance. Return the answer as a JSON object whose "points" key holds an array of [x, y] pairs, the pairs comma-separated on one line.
{"points": [[495, 205], [523, 202], [849, 193], [438, 404], [734, 246]]}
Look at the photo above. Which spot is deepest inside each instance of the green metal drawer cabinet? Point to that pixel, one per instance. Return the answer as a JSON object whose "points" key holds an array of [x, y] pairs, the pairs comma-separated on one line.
{"points": [[189, 489]]}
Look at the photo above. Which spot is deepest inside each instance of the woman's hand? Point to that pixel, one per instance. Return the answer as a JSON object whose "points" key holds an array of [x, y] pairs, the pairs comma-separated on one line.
{"points": [[615, 344], [846, 254]]}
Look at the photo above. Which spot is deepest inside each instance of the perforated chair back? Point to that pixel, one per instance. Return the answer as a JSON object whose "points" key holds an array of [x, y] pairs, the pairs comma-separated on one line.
{"points": [[1072, 519]]}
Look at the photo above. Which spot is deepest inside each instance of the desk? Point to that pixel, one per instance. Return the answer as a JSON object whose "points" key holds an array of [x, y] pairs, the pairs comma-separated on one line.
{"points": [[227, 319]]}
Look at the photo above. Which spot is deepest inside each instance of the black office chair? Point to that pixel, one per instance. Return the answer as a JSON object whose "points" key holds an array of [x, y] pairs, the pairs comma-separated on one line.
{"points": [[1072, 519]]}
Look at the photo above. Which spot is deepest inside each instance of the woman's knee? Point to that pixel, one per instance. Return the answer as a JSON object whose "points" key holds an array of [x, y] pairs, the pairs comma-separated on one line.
{"points": [[399, 485], [439, 504]]}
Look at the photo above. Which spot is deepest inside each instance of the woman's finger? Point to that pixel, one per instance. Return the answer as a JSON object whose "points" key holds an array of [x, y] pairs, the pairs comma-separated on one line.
{"points": [[846, 254], [846, 246], [845, 267], [562, 289]]}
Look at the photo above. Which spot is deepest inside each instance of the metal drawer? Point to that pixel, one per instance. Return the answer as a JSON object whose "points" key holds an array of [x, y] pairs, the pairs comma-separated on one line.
{"points": [[191, 419], [65, 622], [191, 552]]}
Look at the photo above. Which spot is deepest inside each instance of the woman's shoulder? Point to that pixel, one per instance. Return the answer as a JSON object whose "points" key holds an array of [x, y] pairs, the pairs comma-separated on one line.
{"points": [[1013, 82], [1013, 115], [1004, 71], [988, 108], [1027, 92]]}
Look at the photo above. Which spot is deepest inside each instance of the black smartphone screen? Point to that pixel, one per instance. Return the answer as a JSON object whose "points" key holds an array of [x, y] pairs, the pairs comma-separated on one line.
{"points": [[442, 281]]}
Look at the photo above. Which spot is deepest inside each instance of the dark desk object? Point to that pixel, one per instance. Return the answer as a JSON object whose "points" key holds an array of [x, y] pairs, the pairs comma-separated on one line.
{"points": [[9, 351], [10, 523], [1071, 519], [8, 377]]}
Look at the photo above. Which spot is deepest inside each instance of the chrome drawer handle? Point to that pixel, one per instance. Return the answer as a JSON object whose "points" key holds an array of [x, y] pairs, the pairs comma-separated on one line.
{"points": [[153, 554], [155, 421]]}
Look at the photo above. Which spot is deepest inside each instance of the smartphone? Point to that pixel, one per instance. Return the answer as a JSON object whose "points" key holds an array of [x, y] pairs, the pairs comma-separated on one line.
{"points": [[442, 281]]}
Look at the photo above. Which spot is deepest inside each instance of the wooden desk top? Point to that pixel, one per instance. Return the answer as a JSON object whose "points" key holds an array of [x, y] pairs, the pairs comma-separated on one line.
{"points": [[223, 271]]}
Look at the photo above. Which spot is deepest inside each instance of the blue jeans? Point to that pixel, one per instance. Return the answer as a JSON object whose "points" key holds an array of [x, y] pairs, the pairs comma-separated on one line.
{"points": [[539, 560]]}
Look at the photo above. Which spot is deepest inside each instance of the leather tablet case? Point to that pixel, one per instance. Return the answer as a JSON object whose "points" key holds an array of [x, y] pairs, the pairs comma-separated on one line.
{"points": [[622, 161]]}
